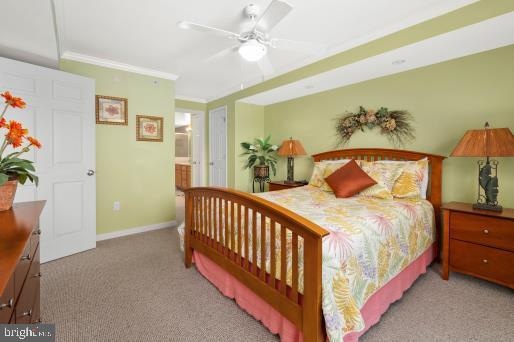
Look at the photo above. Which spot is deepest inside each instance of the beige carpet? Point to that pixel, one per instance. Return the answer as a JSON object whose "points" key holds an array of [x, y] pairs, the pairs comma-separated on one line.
{"points": [[136, 289]]}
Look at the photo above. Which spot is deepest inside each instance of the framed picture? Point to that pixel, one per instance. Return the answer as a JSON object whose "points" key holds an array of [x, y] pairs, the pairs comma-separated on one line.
{"points": [[111, 110], [149, 128]]}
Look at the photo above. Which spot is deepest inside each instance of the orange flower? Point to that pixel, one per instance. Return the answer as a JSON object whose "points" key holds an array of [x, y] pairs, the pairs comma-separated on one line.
{"points": [[15, 102], [16, 133], [34, 141], [3, 123]]}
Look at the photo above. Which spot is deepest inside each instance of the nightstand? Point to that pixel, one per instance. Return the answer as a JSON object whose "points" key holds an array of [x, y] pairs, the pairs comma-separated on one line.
{"points": [[281, 185], [478, 243]]}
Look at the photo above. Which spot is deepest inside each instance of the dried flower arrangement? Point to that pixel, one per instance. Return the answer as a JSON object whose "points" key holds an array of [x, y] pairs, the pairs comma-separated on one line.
{"points": [[395, 124]]}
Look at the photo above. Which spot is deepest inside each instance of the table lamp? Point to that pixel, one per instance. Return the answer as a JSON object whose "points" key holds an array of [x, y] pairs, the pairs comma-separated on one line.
{"points": [[487, 142], [290, 149]]}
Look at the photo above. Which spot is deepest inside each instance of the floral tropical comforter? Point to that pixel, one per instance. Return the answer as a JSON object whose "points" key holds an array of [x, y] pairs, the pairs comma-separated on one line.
{"points": [[371, 240]]}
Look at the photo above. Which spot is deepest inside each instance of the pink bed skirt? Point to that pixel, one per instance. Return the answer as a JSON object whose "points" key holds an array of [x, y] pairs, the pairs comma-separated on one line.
{"points": [[376, 305]]}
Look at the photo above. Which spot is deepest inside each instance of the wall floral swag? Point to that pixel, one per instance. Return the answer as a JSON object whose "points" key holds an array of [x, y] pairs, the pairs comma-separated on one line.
{"points": [[395, 124]]}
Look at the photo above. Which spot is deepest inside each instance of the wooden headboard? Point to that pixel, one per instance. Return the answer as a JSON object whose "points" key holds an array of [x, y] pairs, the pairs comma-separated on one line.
{"points": [[371, 154]]}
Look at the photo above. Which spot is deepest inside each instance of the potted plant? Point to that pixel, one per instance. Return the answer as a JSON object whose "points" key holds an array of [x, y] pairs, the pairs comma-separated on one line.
{"points": [[13, 169], [261, 156]]}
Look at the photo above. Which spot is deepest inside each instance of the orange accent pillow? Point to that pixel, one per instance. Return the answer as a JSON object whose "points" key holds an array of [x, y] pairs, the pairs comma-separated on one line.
{"points": [[349, 180]]}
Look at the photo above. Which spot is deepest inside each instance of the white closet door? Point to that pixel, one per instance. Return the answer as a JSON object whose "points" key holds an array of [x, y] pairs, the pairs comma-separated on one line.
{"points": [[218, 147], [197, 148], [60, 113]]}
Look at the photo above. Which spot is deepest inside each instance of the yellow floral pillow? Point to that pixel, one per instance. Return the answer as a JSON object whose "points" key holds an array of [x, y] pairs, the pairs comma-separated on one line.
{"points": [[410, 182], [317, 179], [319, 174], [384, 174]]}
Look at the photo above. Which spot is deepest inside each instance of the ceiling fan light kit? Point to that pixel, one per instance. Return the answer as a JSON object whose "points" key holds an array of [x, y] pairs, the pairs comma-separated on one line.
{"points": [[252, 50]]}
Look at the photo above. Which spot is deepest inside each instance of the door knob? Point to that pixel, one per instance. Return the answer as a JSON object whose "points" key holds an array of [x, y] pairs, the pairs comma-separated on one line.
{"points": [[90, 172]]}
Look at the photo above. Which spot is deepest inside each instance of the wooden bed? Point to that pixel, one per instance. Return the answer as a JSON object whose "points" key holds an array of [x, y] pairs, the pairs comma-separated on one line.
{"points": [[208, 211]]}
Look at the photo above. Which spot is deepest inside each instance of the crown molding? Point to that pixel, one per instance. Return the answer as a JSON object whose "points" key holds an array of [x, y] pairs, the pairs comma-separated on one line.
{"points": [[189, 98], [77, 57]]}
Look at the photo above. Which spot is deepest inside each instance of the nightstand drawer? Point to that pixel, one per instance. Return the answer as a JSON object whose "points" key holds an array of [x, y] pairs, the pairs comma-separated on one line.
{"points": [[489, 231], [484, 262]]}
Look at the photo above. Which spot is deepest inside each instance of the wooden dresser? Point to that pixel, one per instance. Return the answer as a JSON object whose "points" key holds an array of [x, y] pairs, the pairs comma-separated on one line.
{"points": [[183, 176], [19, 263], [478, 242]]}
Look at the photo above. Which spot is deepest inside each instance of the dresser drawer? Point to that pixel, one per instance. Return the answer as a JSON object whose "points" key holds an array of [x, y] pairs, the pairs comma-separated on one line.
{"points": [[22, 269], [489, 231], [34, 241], [25, 310], [485, 262], [7, 302]]}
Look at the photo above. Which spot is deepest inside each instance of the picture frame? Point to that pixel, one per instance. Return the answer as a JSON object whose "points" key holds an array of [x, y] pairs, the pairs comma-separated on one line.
{"points": [[149, 128], [111, 110]]}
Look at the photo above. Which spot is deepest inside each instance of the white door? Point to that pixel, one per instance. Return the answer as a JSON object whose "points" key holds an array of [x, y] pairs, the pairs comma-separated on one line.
{"points": [[197, 129], [60, 113], [218, 147]]}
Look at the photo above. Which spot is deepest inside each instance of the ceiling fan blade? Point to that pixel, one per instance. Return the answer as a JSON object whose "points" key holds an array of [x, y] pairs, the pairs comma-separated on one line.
{"points": [[265, 65], [272, 15], [299, 46], [187, 25], [221, 54]]}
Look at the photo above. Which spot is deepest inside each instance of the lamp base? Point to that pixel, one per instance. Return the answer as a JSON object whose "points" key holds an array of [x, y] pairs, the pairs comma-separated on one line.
{"points": [[290, 170], [485, 206]]}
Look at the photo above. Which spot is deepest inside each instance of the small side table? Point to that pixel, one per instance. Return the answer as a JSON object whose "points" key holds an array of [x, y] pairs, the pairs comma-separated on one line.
{"points": [[478, 243], [262, 181], [281, 185]]}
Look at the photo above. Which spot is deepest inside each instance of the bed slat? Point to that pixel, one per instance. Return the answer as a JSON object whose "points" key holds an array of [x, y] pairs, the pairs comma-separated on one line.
{"points": [[246, 218], [272, 248], [294, 267], [283, 259], [254, 243]]}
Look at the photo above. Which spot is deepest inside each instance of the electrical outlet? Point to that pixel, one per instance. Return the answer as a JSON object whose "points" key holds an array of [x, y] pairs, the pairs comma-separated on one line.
{"points": [[116, 206]]}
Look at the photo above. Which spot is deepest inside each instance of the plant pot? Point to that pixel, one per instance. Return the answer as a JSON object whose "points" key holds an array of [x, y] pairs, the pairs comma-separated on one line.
{"points": [[7, 192], [261, 171]]}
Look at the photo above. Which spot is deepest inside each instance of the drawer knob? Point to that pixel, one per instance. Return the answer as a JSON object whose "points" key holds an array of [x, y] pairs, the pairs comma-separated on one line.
{"points": [[37, 275], [7, 305], [26, 313], [25, 257], [485, 261], [486, 231], [37, 232]]}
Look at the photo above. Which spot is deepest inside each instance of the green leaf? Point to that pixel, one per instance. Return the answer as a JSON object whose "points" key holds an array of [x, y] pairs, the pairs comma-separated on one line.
{"points": [[274, 169], [3, 178], [22, 178]]}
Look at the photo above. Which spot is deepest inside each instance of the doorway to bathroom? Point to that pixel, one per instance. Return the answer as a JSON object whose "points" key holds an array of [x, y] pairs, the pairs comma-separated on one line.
{"points": [[189, 149]]}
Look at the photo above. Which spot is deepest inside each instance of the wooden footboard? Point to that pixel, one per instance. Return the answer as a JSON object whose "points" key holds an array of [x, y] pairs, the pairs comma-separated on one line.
{"points": [[227, 226]]}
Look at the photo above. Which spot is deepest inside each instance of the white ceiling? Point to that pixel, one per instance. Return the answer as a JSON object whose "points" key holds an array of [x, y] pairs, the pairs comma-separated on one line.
{"points": [[27, 32], [143, 36], [147, 36], [486, 35]]}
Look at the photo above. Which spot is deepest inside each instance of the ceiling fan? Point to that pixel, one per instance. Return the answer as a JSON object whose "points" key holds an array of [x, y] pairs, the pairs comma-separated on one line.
{"points": [[254, 41]]}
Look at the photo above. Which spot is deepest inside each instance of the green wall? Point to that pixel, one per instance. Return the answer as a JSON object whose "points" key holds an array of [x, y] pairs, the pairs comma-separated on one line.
{"points": [[249, 120], [474, 13], [445, 99], [138, 174], [184, 104]]}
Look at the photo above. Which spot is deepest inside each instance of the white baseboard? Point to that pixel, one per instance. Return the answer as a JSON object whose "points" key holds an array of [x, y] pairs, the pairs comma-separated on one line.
{"points": [[135, 230]]}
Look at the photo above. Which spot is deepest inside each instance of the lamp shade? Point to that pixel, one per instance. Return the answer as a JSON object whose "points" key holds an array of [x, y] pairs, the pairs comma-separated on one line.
{"points": [[487, 142], [291, 148]]}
